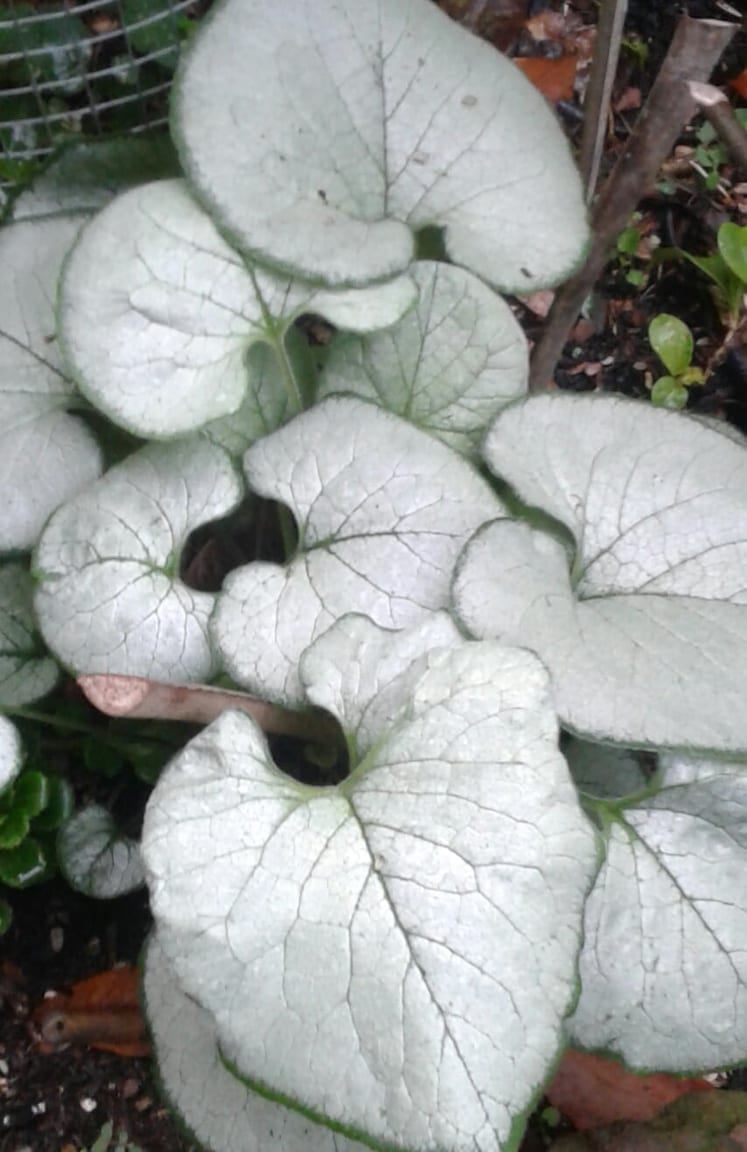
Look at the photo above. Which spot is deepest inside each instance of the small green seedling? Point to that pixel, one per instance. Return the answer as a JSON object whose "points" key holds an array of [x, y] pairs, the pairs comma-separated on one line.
{"points": [[710, 153], [32, 808], [626, 249], [672, 341], [105, 1141], [727, 268]]}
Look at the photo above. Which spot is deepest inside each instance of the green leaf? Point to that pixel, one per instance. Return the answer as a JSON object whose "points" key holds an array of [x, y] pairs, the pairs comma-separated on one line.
{"points": [[714, 267], [639, 609], [26, 864], [383, 511], [147, 760], [59, 806], [43, 47], [669, 393], [663, 967], [6, 916], [109, 596], [85, 174], [152, 28], [26, 670], [104, 1138], [403, 926], [448, 366], [732, 244], [96, 858], [628, 241], [394, 119], [102, 758], [672, 341], [45, 454], [31, 793], [176, 357], [14, 828]]}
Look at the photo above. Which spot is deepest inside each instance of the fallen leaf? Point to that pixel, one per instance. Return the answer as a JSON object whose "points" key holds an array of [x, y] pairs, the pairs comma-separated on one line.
{"points": [[739, 83], [566, 29], [102, 1011], [715, 1122], [554, 78], [592, 1090]]}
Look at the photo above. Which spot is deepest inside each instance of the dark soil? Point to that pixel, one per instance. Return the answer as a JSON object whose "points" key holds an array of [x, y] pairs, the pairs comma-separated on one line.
{"points": [[58, 1103]]}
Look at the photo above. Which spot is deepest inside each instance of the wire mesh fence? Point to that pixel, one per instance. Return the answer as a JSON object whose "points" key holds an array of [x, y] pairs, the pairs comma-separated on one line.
{"points": [[89, 68]]}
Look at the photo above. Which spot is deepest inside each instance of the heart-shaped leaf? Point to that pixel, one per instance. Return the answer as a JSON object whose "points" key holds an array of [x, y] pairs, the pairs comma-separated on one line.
{"points": [[639, 610], [46, 455], [217, 1107], [110, 598], [158, 313], [361, 125], [26, 670], [369, 702], [412, 932], [448, 366], [383, 512], [664, 965], [96, 858]]}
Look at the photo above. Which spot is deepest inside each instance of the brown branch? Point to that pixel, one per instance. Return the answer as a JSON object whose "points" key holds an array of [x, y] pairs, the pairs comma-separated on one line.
{"points": [[693, 53], [716, 108], [135, 698]]}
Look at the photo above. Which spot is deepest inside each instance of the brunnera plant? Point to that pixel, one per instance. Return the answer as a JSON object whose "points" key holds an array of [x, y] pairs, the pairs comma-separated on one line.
{"points": [[396, 960]]}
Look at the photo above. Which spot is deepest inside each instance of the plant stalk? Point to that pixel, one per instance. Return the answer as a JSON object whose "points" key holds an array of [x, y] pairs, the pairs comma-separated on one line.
{"points": [[693, 53], [599, 91], [718, 111], [136, 698]]}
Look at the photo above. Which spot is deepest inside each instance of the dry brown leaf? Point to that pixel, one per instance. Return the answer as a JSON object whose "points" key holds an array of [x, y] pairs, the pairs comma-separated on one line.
{"points": [[101, 1011], [739, 83], [713, 1122], [554, 78], [591, 1091]]}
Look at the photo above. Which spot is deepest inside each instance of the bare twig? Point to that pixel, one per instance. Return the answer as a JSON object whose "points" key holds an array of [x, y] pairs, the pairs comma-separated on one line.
{"points": [[136, 698], [599, 91], [695, 49], [716, 108]]}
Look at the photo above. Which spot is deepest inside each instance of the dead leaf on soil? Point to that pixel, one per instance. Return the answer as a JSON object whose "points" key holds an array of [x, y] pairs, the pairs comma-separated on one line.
{"points": [[739, 83], [566, 29], [101, 1011], [714, 1122], [554, 78], [592, 1090]]}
